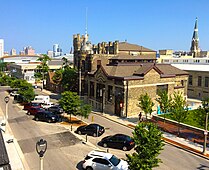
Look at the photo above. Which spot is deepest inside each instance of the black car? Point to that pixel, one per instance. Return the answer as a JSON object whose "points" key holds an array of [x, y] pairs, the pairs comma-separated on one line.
{"points": [[46, 116], [91, 129], [118, 141], [56, 109]]}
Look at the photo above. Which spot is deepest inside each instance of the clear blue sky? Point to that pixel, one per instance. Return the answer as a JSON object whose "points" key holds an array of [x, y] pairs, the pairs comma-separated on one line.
{"points": [[156, 24]]}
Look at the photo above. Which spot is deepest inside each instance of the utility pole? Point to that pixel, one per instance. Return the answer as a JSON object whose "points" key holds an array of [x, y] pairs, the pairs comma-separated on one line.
{"points": [[205, 134]]}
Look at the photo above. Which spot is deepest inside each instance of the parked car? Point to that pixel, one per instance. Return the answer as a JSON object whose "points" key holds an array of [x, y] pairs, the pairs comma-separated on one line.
{"points": [[91, 129], [118, 141], [98, 160], [46, 116], [34, 110], [47, 105], [13, 93], [41, 99], [29, 105], [56, 109]]}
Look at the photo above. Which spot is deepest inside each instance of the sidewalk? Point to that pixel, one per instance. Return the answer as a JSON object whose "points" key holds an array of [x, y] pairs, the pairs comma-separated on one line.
{"points": [[183, 143], [14, 152]]}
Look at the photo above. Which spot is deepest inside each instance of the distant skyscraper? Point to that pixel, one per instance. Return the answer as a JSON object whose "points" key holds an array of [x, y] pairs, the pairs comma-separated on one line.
{"points": [[57, 51], [22, 52], [50, 53], [13, 52], [1, 47], [195, 41], [29, 50]]}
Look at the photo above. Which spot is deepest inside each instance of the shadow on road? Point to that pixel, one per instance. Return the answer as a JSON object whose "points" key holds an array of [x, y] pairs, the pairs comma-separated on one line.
{"points": [[203, 167]]}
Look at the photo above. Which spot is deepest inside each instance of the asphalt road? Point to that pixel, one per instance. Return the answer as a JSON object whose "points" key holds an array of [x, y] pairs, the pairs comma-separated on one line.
{"points": [[65, 151]]}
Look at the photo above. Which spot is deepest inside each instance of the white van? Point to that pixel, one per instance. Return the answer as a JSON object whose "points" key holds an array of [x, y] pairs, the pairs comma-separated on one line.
{"points": [[41, 99]]}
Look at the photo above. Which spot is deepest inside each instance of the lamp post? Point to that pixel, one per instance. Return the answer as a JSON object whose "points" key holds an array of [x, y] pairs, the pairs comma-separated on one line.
{"points": [[6, 99], [205, 133], [41, 147]]}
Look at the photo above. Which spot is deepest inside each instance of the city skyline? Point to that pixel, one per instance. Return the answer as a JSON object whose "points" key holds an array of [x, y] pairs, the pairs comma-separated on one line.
{"points": [[153, 24]]}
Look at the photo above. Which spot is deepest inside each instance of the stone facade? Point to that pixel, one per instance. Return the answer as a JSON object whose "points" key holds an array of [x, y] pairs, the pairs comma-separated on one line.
{"points": [[119, 95], [198, 84]]}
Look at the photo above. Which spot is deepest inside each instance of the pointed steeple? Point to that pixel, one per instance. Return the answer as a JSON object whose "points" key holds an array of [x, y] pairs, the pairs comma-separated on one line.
{"points": [[195, 34], [195, 41]]}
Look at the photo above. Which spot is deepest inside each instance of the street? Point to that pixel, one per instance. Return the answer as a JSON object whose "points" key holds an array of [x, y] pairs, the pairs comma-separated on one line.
{"points": [[66, 151]]}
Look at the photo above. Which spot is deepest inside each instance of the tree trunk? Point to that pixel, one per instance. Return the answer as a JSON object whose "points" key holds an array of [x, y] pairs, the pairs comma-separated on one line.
{"points": [[70, 117]]}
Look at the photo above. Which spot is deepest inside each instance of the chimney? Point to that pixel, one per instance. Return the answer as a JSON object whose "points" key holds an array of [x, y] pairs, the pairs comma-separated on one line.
{"points": [[99, 63]]}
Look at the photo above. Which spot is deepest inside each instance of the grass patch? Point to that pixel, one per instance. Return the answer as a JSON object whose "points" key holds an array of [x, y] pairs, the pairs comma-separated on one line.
{"points": [[192, 118]]}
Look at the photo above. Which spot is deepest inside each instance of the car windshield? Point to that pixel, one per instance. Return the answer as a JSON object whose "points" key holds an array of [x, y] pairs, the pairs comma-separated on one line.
{"points": [[114, 160]]}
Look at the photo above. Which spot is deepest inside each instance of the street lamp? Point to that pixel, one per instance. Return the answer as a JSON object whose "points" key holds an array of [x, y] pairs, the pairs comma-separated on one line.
{"points": [[41, 147]]}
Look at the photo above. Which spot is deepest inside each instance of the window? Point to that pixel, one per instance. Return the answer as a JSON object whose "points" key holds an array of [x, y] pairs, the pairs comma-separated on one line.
{"points": [[99, 91], [91, 89], [206, 81], [182, 82], [199, 81], [190, 80], [161, 88], [110, 93], [101, 161]]}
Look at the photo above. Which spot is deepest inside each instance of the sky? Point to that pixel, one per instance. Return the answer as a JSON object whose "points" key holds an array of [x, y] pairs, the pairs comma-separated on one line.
{"points": [[155, 24]]}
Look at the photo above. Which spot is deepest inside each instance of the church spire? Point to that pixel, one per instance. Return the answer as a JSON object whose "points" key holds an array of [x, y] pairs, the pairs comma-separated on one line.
{"points": [[195, 41]]}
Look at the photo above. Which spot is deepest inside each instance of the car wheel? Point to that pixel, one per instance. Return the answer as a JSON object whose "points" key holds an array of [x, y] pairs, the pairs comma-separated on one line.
{"points": [[124, 148], [36, 118], [89, 168], [49, 121], [94, 135], [104, 145], [79, 132]]}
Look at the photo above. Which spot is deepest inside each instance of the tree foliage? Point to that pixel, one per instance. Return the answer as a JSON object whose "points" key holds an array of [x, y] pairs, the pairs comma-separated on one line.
{"points": [[179, 109], [70, 102], [42, 69], [148, 144], [164, 102], [201, 113], [69, 79], [26, 90], [146, 104], [57, 78], [85, 110]]}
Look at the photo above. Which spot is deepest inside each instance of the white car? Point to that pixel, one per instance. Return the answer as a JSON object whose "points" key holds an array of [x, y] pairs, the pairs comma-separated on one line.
{"points": [[99, 160], [47, 105]]}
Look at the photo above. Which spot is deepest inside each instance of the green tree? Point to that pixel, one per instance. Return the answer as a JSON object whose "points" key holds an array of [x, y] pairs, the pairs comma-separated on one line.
{"points": [[165, 102], [70, 102], [85, 110], [146, 104], [66, 63], [148, 144], [179, 109], [57, 78], [5, 80], [42, 69], [69, 79], [26, 91], [200, 113]]}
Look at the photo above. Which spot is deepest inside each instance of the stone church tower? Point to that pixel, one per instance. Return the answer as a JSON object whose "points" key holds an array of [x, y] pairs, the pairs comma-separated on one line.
{"points": [[195, 50]]}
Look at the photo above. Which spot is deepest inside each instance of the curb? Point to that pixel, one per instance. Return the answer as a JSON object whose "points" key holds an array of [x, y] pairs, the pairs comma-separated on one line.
{"points": [[17, 147], [167, 140]]}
